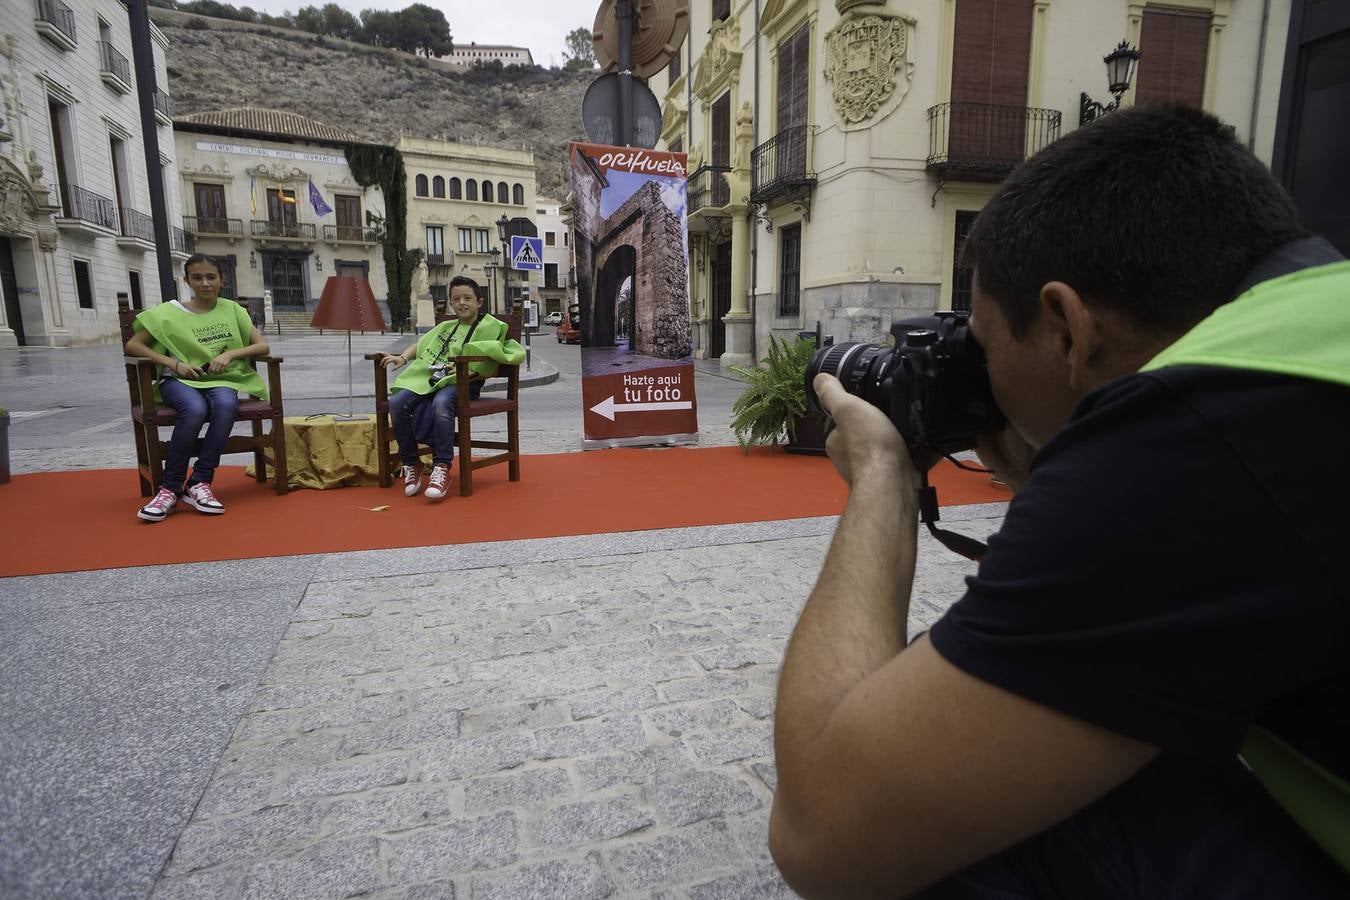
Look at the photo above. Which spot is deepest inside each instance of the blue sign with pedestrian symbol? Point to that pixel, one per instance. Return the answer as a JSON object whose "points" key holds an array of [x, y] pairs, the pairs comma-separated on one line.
{"points": [[527, 253]]}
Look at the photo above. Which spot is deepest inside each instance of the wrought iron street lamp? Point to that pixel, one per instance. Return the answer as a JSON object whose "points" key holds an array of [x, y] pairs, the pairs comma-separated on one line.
{"points": [[491, 269], [504, 234], [1120, 66]]}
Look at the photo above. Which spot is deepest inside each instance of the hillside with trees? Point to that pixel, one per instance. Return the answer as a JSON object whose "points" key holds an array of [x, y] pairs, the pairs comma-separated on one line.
{"points": [[377, 93]]}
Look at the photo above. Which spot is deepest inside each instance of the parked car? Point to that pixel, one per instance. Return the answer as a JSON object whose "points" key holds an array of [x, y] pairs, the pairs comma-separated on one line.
{"points": [[569, 329], [553, 318]]}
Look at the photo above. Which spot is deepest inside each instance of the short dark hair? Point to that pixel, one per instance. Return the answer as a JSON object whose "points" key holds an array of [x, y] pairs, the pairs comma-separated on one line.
{"points": [[1154, 211], [460, 281], [197, 258]]}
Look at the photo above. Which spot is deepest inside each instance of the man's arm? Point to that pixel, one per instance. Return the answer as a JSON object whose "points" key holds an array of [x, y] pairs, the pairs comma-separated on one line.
{"points": [[896, 768]]}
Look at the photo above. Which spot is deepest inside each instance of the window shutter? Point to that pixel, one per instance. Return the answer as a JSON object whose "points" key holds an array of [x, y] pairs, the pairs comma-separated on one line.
{"points": [[721, 148], [721, 9], [991, 56], [1173, 45]]}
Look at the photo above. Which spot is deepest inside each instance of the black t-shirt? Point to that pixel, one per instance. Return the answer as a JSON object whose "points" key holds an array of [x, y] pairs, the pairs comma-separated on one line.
{"points": [[1173, 569]]}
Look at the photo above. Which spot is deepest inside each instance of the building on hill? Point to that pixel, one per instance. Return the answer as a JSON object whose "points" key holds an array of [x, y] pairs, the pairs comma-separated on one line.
{"points": [[554, 290], [462, 199], [840, 149], [75, 229], [251, 177], [463, 57]]}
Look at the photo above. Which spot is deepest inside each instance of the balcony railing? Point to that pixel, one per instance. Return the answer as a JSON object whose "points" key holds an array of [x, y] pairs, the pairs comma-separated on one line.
{"points": [[86, 206], [436, 259], [779, 165], [296, 231], [162, 106], [207, 226], [708, 188], [182, 242], [56, 21], [114, 65], [982, 142], [350, 234], [136, 224]]}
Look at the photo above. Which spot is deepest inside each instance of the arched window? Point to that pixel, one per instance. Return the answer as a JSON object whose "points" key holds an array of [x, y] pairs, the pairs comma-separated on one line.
{"points": [[470, 190], [518, 195], [421, 185], [503, 193], [487, 192], [438, 187], [456, 191]]}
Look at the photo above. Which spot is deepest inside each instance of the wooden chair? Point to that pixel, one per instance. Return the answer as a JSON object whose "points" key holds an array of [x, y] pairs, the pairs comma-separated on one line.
{"points": [[147, 417], [467, 410]]}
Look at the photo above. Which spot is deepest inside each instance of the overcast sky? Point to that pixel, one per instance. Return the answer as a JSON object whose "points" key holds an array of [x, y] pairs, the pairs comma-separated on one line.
{"points": [[540, 25]]}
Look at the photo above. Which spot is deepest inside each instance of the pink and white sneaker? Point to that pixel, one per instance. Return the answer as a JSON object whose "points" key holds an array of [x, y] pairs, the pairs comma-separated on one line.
{"points": [[412, 480], [437, 487], [159, 507], [199, 497]]}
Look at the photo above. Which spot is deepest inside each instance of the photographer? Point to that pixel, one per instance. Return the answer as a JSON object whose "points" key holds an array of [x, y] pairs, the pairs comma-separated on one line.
{"points": [[1169, 348], [430, 379]]}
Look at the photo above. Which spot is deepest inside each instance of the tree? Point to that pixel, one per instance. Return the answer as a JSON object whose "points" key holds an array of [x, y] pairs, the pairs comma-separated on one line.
{"points": [[424, 30], [380, 28], [580, 53], [339, 23]]}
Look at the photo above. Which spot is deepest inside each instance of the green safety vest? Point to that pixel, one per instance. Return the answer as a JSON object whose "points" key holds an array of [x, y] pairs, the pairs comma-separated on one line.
{"points": [[1297, 325]]}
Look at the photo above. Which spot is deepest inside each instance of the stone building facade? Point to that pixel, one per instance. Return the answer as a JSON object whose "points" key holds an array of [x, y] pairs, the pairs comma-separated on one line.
{"points": [[246, 176], [75, 227], [458, 197], [840, 149], [554, 292]]}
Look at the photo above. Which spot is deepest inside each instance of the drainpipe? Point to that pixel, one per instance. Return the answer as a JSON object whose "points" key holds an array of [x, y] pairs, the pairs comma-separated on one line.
{"points": [[754, 225], [1260, 62]]}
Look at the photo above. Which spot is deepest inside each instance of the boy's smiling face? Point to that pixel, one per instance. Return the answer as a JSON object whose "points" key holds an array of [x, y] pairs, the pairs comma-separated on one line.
{"points": [[464, 302]]}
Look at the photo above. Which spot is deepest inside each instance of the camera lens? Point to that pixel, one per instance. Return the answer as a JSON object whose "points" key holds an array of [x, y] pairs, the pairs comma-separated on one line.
{"points": [[859, 367]]}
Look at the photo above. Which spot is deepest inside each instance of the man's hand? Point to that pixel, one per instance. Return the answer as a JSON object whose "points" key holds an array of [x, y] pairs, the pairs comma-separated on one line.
{"points": [[863, 442], [1007, 454], [220, 363]]}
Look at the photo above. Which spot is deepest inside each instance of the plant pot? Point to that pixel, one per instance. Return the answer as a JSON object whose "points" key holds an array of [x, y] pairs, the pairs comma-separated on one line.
{"points": [[810, 436]]}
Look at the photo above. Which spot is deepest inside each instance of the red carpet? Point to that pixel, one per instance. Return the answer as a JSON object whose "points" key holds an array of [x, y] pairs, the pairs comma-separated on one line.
{"points": [[73, 521]]}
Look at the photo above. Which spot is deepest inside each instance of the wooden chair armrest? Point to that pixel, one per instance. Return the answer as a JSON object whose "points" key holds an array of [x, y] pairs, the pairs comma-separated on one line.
{"points": [[269, 359], [137, 361], [381, 384], [376, 357]]}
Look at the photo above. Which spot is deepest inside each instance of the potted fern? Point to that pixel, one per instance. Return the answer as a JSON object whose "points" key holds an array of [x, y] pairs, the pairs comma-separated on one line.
{"points": [[773, 405]]}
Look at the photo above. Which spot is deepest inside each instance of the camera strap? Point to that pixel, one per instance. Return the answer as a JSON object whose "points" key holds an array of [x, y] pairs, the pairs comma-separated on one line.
{"points": [[928, 515]]}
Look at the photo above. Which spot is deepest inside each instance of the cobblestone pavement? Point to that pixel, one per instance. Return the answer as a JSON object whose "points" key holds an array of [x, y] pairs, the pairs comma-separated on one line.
{"points": [[576, 717], [587, 727]]}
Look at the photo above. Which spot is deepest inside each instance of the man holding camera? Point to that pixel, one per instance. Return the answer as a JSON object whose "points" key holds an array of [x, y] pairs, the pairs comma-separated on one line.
{"points": [[1167, 345]]}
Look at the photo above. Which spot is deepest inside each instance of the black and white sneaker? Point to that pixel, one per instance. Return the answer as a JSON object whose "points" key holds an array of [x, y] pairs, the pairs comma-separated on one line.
{"points": [[159, 507], [199, 497]]}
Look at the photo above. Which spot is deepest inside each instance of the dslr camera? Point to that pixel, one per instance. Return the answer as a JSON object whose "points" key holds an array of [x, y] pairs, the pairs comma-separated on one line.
{"points": [[933, 384], [438, 371]]}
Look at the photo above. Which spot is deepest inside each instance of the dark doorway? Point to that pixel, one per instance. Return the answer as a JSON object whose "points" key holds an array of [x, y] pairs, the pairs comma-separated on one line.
{"points": [[284, 276], [9, 286], [620, 267], [1312, 143], [137, 302], [961, 275], [347, 268], [721, 300]]}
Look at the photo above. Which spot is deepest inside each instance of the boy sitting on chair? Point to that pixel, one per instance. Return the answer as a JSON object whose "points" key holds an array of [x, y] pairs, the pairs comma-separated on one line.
{"points": [[430, 378]]}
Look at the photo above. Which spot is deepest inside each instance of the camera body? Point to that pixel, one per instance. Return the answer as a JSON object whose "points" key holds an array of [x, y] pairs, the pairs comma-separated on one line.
{"points": [[933, 384], [439, 371]]}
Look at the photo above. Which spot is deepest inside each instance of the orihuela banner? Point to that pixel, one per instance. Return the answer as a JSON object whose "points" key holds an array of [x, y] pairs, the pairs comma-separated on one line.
{"points": [[631, 253]]}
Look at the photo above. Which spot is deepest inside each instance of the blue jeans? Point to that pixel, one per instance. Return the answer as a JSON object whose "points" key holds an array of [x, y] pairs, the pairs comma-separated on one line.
{"points": [[404, 403], [196, 407]]}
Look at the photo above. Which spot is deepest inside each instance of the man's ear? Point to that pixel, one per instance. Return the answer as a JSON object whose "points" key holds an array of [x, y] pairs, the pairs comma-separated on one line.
{"points": [[1073, 330]]}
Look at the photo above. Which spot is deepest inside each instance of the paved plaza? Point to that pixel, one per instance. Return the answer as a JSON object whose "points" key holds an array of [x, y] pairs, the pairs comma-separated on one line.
{"points": [[574, 717]]}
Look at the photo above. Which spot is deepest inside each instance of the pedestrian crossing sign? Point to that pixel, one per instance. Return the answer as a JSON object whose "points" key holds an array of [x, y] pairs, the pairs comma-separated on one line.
{"points": [[527, 253]]}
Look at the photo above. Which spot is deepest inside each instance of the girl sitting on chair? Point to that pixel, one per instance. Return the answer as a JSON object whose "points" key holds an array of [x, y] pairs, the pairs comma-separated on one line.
{"points": [[428, 378], [201, 347]]}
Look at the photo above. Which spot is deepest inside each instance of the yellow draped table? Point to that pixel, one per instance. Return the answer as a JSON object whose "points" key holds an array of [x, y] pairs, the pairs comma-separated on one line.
{"points": [[323, 452]]}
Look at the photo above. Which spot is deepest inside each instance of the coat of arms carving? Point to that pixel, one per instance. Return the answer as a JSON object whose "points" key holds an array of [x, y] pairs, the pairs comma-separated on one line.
{"points": [[866, 60]]}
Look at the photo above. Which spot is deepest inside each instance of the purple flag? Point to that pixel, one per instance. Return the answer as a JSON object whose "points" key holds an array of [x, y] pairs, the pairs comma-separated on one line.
{"points": [[316, 199]]}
